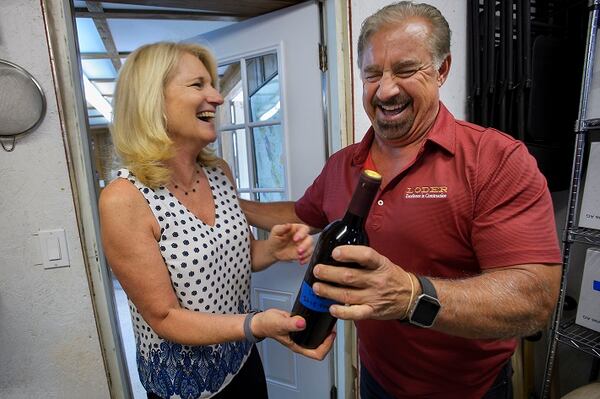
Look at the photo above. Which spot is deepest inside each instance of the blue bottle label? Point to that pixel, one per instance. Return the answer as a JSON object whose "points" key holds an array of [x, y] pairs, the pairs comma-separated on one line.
{"points": [[312, 301]]}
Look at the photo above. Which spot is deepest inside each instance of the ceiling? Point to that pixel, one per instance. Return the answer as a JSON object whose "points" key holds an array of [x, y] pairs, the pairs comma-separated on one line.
{"points": [[108, 31]]}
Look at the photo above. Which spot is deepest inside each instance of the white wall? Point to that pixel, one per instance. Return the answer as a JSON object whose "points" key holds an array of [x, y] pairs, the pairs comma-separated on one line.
{"points": [[49, 345], [453, 93]]}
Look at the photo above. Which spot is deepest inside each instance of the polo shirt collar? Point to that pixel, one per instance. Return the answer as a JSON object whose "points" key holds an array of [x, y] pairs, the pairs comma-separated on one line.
{"points": [[443, 133]]}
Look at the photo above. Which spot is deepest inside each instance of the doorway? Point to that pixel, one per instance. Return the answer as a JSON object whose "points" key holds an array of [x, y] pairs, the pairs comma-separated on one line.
{"points": [[271, 138]]}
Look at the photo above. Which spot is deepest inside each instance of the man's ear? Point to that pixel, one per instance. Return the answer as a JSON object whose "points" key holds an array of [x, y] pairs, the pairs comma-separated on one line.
{"points": [[444, 70]]}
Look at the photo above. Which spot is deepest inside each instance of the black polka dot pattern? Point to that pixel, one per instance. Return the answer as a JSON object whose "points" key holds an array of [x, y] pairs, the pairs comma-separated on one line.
{"points": [[209, 266]]}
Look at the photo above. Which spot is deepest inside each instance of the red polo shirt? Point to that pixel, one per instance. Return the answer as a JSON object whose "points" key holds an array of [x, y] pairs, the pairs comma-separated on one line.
{"points": [[473, 199]]}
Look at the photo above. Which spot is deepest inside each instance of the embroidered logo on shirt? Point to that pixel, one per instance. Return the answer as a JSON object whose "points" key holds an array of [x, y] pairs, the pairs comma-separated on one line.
{"points": [[426, 192]]}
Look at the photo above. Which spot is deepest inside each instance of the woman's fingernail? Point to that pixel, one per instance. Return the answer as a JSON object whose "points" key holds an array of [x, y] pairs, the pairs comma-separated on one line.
{"points": [[335, 252], [300, 323]]}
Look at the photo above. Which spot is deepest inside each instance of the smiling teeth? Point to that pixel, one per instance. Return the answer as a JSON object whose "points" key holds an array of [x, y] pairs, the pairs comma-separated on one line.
{"points": [[392, 107], [205, 114]]}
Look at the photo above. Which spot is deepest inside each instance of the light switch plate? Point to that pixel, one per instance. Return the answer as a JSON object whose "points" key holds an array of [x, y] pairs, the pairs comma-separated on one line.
{"points": [[53, 246]]}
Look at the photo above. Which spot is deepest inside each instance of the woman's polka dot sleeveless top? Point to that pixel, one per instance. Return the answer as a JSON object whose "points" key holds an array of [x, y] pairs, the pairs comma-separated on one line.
{"points": [[210, 272]]}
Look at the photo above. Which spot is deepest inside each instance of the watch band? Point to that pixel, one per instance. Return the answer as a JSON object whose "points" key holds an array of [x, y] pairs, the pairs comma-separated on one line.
{"points": [[247, 330], [427, 287]]}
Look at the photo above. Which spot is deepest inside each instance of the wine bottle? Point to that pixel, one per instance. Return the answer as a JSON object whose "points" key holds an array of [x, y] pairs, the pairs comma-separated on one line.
{"points": [[346, 231]]}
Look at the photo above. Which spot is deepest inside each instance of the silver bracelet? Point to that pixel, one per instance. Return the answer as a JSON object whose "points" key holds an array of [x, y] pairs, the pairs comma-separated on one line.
{"points": [[247, 330]]}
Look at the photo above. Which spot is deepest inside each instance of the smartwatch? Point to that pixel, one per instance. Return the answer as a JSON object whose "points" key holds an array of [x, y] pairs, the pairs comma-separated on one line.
{"points": [[427, 306]]}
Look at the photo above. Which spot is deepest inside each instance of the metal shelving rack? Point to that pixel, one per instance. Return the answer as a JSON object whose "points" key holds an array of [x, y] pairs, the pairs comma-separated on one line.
{"points": [[566, 331]]}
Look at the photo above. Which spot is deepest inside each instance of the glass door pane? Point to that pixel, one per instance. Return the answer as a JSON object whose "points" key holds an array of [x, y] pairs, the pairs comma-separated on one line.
{"points": [[269, 157], [263, 88]]}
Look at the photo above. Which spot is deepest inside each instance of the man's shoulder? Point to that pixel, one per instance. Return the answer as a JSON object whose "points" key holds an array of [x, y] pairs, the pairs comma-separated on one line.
{"points": [[348, 151], [490, 150], [470, 127], [345, 154], [342, 162], [484, 136]]}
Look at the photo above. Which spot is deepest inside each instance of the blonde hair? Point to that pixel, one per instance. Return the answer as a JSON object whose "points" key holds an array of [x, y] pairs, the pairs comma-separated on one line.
{"points": [[139, 127], [392, 14]]}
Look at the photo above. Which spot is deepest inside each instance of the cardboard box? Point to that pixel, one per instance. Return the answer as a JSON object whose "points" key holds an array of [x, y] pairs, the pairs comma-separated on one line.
{"points": [[589, 216], [588, 309]]}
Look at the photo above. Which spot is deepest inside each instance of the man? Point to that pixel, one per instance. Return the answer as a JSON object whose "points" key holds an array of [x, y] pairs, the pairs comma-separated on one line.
{"points": [[464, 254]]}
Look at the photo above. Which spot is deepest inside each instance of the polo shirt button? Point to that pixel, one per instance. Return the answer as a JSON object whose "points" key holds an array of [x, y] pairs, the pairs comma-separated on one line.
{"points": [[380, 202]]}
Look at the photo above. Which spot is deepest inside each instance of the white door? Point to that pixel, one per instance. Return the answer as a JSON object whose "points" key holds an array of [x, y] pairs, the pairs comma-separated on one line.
{"points": [[276, 147]]}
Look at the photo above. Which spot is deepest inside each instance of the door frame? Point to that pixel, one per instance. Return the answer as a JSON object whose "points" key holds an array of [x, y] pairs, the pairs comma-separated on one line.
{"points": [[64, 59], [339, 87]]}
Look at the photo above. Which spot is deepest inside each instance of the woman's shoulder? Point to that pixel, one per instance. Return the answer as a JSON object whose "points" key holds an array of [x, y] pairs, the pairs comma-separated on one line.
{"points": [[125, 214], [121, 192]]}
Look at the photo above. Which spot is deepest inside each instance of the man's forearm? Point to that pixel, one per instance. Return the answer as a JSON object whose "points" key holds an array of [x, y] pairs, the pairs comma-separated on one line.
{"points": [[499, 304], [265, 215]]}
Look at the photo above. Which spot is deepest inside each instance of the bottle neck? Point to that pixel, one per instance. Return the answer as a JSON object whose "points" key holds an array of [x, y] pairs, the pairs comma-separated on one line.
{"points": [[351, 219], [361, 201]]}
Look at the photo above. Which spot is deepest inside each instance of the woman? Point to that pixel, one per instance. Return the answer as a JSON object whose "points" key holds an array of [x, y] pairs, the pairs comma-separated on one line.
{"points": [[177, 240]]}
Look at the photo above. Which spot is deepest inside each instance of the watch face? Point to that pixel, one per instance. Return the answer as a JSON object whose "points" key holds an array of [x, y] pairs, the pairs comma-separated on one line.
{"points": [[425, 312]]}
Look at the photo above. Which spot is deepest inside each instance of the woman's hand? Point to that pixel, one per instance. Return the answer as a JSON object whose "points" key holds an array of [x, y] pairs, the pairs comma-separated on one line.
{"points": [[290, 241], [277, 324]]}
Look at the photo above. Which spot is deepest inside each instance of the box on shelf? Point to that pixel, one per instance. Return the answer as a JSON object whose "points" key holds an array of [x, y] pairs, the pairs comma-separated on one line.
{"points": [[588, 309], [589, 216]]}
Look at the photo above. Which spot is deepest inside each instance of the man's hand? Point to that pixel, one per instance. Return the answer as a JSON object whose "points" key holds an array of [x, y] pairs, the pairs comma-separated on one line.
{"points": [[290, 241], [380, 290]]}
